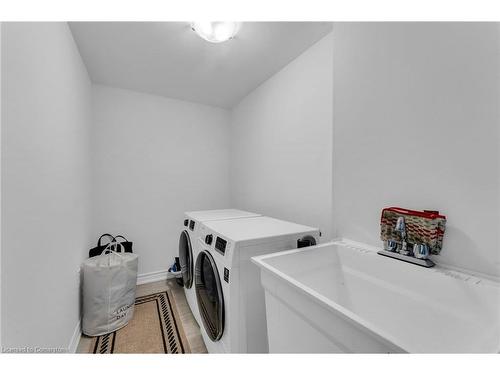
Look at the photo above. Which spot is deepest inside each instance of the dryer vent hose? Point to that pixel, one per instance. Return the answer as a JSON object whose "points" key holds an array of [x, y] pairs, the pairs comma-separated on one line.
{"points": [[306, 241]]}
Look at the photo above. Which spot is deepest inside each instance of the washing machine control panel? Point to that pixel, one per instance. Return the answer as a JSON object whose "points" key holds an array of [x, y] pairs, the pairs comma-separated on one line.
{"points": [[208, 239], [220, 245], [215, 242]]}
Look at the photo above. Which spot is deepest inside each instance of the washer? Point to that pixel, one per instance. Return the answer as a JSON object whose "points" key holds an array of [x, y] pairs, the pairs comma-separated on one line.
{"points": [[188, 249], [230, 296]]}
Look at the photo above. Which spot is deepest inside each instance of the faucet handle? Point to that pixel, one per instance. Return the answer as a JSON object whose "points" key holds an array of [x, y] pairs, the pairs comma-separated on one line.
{"points": [[391, 245], [421, 251]]}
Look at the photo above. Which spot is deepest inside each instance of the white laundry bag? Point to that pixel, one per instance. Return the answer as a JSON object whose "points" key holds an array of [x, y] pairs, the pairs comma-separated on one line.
{"points": [[109, 283]]}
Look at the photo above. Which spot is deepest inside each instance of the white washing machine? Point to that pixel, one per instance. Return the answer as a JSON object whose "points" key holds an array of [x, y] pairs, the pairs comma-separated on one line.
{"points": [[228, 289], [188, 249]]}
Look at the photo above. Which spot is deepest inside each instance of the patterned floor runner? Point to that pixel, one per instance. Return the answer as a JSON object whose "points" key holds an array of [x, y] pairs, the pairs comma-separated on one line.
{"points": [[153, 329]]}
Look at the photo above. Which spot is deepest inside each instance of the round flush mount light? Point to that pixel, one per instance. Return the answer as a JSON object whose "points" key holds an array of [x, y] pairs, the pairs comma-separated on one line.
{"points": [[216, 32]]}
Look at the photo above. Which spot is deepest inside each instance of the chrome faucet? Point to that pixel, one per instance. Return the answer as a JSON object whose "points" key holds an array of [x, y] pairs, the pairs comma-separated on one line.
{"points": [[401, 229], [416, 254]]}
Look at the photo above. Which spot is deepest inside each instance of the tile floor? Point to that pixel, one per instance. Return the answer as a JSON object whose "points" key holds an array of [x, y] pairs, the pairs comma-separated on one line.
{"points": [[191, 328]]}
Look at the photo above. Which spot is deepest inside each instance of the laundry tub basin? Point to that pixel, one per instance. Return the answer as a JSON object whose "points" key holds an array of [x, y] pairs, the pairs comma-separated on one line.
{"points": [[344, 297]]}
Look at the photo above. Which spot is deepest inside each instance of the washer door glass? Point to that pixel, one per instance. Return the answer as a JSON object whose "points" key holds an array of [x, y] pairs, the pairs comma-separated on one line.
{"points": [[209, 295], [186, 259]]}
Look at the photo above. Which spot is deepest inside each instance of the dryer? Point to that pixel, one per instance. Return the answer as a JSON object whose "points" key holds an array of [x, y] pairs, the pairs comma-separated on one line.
{"points": [[188, 248], [230, 296]]}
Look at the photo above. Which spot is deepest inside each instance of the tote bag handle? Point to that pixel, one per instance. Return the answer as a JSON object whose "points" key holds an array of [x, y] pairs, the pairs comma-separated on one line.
{"points": [[112, 248], [120, 236], [105, 235]]}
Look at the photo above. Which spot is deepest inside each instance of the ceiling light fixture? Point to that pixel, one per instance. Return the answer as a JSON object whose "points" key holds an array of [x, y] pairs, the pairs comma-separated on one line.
{"points": [[216, 32]]}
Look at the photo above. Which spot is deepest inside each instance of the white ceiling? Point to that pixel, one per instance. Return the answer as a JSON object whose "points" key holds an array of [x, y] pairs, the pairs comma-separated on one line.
{"points": [[169, 59]]}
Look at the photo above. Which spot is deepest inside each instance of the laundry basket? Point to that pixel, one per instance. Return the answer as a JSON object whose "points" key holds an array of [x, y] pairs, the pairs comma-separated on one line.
{"points": [[109, 285]]}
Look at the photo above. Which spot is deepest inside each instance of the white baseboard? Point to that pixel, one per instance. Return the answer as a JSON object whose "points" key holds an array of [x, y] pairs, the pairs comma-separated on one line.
{"points": [[75, 339], [151, 277]]}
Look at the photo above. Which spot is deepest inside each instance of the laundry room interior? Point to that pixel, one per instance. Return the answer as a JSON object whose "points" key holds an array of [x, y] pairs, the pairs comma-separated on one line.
{"points": [[250, 187]]}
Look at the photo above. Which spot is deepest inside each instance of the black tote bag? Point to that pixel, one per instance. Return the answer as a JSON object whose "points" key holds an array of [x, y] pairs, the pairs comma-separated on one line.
{"points": [[127, 245], [100, 247]]}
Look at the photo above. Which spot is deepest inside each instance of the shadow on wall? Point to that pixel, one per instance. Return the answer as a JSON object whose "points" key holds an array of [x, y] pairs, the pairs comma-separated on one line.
{"points": [[468, 252]]}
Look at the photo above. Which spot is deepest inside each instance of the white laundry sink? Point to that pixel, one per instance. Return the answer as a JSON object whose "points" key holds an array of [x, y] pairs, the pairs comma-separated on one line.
{"points": [[343, 297]]}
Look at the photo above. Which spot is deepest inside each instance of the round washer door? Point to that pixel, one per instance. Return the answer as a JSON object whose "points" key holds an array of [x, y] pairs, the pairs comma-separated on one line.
{"points": [[209, 295], [186, 259]]}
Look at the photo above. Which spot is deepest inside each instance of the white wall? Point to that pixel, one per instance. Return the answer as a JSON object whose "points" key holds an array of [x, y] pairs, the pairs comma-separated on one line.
{"points": [[153, 159], [46, 113], [416, 125], [281, 142], [0, 186]]}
